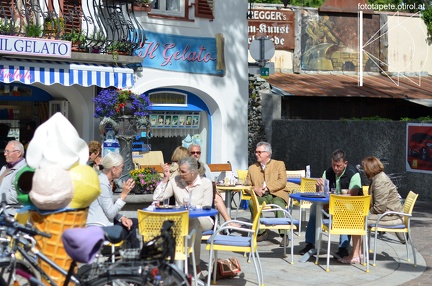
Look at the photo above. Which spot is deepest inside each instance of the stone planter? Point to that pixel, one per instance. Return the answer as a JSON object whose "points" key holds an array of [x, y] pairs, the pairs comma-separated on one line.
{"points": [[135, 202]]}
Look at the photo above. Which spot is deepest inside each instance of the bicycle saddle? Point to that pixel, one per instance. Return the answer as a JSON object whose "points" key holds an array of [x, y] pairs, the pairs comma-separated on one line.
{"points": [[82, 244]]}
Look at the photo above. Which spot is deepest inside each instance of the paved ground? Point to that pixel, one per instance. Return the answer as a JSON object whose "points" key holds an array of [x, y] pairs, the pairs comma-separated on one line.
{"points": [[421, 232], [392, 267]]}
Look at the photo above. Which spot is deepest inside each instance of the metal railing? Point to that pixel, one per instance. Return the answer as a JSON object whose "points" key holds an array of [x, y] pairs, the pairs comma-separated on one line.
{"points": [[99, 26]]}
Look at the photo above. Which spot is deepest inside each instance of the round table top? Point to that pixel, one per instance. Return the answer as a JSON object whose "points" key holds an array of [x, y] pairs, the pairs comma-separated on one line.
{"points": [[294, 180], [193, 213], [232, 187], [310, 197]]}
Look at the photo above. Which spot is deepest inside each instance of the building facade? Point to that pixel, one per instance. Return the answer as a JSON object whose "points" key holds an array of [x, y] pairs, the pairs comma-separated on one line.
{"points": [[189, 56]]}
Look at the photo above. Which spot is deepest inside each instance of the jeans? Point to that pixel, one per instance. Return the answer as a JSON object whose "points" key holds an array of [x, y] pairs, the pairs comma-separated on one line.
{"points": [[344, 240]]}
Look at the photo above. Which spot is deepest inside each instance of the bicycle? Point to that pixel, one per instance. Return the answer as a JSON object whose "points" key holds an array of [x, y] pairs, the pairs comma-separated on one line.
{"points": [[131, 269]]}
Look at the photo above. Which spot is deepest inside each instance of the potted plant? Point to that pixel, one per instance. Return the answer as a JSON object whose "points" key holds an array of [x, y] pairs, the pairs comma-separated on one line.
{"points": [[7, 27], [33, 30], [97, 40], [48, 24], [146, 180], [117, 48], [144, 3], [77, 37]]}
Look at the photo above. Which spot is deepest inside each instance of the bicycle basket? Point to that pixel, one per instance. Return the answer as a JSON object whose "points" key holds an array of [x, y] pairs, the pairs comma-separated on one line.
{"points": [[162, 246]]}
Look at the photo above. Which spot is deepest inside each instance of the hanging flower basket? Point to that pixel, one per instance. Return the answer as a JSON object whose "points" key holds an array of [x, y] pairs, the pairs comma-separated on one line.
{"points": [[112, 102]]}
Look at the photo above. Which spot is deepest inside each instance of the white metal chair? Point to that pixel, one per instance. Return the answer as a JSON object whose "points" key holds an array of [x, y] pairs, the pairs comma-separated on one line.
{"points": [[404, 228], [245, 244]]}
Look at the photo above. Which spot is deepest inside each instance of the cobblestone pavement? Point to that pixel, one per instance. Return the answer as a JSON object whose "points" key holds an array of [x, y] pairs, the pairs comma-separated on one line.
{"points": [[421, 229]]}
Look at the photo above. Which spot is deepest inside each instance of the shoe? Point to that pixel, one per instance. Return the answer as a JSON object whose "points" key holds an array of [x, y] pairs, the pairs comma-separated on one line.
{"points": [[282, 244], [401, 237], [263, 236], [308, 247], [234, 224], [342, 252], [350, 261]]}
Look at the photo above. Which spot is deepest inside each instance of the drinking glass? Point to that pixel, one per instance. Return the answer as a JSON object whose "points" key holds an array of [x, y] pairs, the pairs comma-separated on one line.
{"points": [[186, 203]]}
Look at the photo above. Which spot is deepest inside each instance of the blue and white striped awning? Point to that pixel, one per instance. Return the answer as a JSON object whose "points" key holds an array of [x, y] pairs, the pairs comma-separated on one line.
{"points": [[65, 73]]}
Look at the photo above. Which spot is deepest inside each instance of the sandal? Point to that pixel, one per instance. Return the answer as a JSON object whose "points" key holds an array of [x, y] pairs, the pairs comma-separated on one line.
{"points": [[350, 261]]}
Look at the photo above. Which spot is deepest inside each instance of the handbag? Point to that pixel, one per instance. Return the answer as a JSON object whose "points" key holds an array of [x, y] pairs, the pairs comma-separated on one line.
{"points": [[227, 268]]}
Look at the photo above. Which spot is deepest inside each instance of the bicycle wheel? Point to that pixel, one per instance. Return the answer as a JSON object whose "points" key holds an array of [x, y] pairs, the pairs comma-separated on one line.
{"points": [[166, 274], [22, 274]]}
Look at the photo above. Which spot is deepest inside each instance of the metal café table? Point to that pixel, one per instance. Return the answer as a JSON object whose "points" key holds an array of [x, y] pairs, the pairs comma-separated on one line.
{"points": [[228, 191], [319, 201], [193, 212], [294, 180]]}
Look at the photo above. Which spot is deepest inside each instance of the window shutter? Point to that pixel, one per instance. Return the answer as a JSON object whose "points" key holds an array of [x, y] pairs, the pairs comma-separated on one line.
{"points": [[73, 12], [204, 9]]}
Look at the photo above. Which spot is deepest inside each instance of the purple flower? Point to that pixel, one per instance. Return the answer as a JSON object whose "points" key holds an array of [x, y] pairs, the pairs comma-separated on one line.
{"points": [[109, 102]]}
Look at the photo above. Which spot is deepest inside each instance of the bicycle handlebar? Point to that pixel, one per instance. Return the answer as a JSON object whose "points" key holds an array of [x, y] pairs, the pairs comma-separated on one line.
{"points": [[11, 223]]}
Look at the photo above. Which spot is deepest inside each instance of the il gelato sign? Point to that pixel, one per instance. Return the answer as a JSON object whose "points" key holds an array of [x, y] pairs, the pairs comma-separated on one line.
{"points": [[34, 47], [182, 53], [278, 25]]}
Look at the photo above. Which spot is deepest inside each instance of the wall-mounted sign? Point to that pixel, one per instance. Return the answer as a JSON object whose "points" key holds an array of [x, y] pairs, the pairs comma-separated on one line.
{"points": [[419, 147], [35, 47], [175, 120], [182, 53], [278, 25]]}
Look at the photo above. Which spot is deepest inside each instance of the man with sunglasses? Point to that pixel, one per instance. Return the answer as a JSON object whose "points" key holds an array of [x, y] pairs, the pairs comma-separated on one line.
{"points": [[195, 151], [268, 178], [14, 154]]}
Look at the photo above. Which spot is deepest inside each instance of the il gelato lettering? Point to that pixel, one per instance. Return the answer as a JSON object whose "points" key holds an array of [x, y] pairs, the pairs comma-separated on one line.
{"points": [[16, 75], [33, 46], [172, 53]]}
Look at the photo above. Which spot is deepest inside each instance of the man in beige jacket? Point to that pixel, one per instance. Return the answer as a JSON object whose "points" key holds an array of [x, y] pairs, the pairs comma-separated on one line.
{"points": [[268, 178]]}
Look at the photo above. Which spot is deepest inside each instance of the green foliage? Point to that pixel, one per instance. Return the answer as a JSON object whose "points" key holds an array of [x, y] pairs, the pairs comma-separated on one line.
{"points": [[427, 18], [146, 179], [77, 37], [420, 119], [33, 30], [372, 118], [7, 27]]}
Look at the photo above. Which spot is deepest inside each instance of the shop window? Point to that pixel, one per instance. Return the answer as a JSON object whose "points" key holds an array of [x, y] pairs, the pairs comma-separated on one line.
{"points": [[168, 99], [169, 7], [179, 8]]}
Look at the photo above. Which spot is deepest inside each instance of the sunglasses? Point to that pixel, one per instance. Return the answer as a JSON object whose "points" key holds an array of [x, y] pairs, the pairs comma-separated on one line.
{"points": [[195, 152]]}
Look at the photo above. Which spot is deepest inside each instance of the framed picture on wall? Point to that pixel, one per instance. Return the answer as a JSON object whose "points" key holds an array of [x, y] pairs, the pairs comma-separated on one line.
{"points": [[153, 119], [195, 121], [168, 119], [189, 120], [161, 120], [174, 121], [182, 120]]}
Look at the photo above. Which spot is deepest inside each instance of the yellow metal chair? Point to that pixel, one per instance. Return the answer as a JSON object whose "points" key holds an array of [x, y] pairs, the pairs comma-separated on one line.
{"points": [[150, 224], [236, 243], [347, 215], [404, 228], [365, 190], [307, 185], [244, 194], [292, 187], [287, 223]]}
